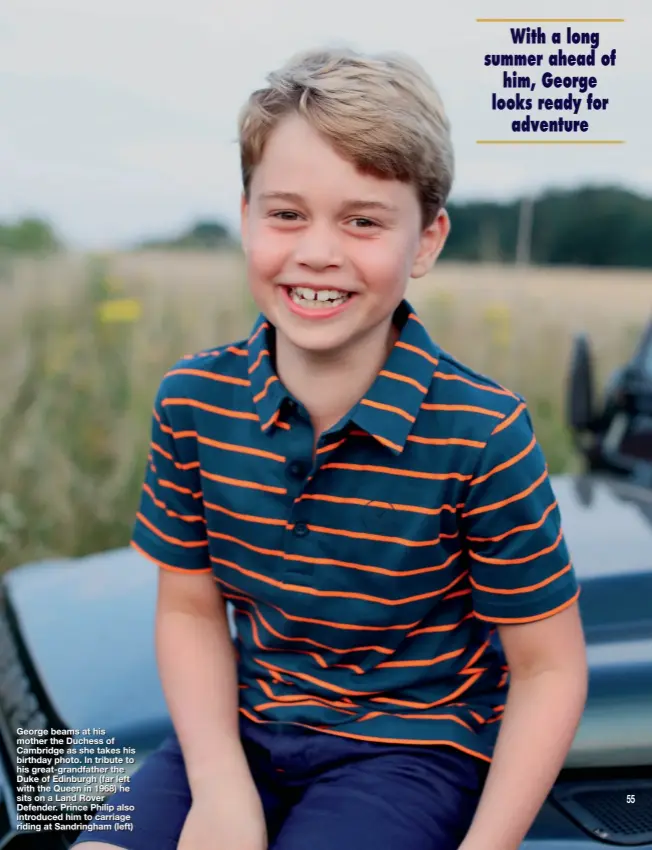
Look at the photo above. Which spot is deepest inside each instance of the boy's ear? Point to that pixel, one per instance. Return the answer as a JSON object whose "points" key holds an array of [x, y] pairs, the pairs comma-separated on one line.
{"points": [[243, 220], [431, 242]]}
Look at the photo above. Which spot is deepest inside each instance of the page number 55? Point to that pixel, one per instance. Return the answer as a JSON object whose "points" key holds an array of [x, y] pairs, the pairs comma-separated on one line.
{"points": [[631, 798]]}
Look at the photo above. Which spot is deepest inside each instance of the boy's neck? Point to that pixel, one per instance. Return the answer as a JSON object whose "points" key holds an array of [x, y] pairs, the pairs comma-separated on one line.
{"points": [[329, 386]]}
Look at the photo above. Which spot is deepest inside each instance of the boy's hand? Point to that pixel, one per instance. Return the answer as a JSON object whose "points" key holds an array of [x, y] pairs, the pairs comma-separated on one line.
{"points": [[228, 818]]}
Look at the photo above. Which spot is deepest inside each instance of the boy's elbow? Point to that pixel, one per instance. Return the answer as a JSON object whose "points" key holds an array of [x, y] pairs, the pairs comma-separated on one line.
{"points": [[190, 593], [554, 644]]}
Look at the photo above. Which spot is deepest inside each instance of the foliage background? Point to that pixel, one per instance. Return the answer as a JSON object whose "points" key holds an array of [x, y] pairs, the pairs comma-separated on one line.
{"points": [[85, 340]]}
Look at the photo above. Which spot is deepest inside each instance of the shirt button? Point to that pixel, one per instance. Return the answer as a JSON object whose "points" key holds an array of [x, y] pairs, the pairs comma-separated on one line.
{"points": [[297, 469], [300, 529]]}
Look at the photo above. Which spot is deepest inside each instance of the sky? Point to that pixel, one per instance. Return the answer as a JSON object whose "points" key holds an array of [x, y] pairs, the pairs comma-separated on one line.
{"points": [[118, 118]]}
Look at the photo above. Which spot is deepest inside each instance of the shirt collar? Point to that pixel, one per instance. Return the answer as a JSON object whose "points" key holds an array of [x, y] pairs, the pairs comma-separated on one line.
{"points": [[390, 406]]}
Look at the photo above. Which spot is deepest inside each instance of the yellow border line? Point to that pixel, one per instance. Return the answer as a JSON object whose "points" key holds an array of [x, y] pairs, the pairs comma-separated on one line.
{"points": [[550, 142], [550, 20]]}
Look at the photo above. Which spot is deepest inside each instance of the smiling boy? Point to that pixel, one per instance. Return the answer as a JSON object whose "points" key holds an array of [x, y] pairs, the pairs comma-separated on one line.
{"points": [[409, 669]]}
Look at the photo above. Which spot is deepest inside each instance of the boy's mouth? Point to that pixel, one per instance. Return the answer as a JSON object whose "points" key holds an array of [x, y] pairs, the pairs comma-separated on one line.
{"points": [[317, 299]]}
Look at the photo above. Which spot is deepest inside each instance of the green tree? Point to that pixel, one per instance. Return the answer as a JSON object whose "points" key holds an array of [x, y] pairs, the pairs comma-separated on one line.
{"points": [[29, 236], [602, 226], [204, 235]]}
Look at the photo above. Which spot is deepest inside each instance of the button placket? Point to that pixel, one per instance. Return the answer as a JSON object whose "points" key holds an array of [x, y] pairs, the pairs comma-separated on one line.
{"points": [[300, 529], [298, 532], [298, 467], [297, 470]]}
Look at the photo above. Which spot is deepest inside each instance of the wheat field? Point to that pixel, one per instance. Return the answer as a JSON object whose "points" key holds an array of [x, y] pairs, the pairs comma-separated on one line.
{"points": [[84, 342]]}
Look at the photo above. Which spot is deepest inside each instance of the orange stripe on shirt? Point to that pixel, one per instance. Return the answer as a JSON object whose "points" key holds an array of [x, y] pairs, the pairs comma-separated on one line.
{"points": [[530, 527], [351, 500], [192, 544], [447, 441], [306, 677], [377, 740], [463, 408], [407, 347], [469, 666], [445, 627], [249, 485], [452, 717], [404, 378], [403, 473], [161, 451], [532, 619], [329, 447], [511, 591], [308, 559], [514, 415], [419, 705], [160, 504], [515, 498], [388, 443], [465, 592], [444, 376], [506, 464], [523, 560], [334, 594], [209, 408], [213, 376], [265, 706], [347, 627], [389, 408], [271, 380], [264, 520], [170, 485], [263, 327], [165, 565], [207, 441], [425, 662], [239, 449], [363, 535], [256, 364], [267, 690]]}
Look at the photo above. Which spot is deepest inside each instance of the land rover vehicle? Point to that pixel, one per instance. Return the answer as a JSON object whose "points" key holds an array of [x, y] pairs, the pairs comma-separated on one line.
{"points": [[615, 432]]}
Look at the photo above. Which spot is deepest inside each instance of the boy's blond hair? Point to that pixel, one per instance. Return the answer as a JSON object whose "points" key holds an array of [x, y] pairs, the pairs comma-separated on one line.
{"points": [[381, 112]]}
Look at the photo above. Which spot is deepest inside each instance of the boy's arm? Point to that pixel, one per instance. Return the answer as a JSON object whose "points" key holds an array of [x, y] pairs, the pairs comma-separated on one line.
{"points": [[523, 581], [197, 667], [195, 653], [548, 685]]}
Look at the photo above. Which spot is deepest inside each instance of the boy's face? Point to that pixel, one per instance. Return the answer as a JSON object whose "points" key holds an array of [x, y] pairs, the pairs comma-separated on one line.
{"points": [[314, 222]]}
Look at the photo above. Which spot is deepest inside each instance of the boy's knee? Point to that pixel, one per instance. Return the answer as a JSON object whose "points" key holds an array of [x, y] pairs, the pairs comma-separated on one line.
{"points": [[100, 845]]}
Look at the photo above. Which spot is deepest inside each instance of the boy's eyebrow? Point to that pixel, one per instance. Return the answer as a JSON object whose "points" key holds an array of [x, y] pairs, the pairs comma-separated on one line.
{"points": [[353, 203]]}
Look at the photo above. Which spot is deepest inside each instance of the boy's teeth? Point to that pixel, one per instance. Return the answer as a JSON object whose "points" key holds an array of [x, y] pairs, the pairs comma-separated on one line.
{"points": [[323, 297], [318, 294]]}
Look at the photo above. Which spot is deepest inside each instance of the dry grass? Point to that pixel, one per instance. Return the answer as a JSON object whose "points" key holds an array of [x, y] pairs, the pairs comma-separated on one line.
{"points": [[76, 391]]}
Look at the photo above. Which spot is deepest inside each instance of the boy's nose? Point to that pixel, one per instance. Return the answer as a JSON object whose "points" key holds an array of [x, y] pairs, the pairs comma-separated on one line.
{"points": [[318, 247]]}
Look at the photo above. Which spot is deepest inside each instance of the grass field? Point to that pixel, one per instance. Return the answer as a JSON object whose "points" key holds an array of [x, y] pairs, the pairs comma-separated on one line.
{"points": [[85, 341]]}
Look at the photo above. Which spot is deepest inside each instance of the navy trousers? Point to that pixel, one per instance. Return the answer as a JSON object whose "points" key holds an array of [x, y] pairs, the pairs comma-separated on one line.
{"points": [[319, 791]]}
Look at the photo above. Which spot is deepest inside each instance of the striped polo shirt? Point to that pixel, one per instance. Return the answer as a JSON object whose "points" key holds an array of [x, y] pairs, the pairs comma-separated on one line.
{"points": [[367, 579]]}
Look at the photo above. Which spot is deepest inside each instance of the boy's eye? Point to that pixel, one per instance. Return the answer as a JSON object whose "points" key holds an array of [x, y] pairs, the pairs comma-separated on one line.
{"points": [[282, 213], [289, 215], [367, 222]]}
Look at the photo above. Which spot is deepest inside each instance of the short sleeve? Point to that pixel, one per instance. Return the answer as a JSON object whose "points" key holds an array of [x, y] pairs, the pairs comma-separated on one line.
{"points": [[519, 563], [170, 527]]}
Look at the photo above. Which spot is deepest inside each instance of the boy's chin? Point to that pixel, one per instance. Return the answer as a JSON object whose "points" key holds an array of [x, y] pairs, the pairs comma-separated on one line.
{"points": [[315, 342]]}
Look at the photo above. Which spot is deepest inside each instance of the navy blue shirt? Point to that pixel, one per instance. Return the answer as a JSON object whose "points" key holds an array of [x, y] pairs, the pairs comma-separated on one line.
{"points": [[367, 579]]}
